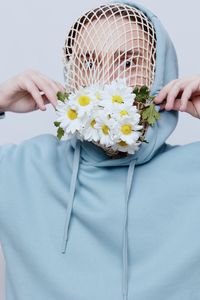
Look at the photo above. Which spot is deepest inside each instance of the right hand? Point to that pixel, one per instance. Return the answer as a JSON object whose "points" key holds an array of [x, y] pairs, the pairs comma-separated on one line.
{"points": [[22, 93]]}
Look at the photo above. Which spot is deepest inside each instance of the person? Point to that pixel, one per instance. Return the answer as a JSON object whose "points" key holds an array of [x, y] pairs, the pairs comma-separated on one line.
{"points": [[143, 208]]}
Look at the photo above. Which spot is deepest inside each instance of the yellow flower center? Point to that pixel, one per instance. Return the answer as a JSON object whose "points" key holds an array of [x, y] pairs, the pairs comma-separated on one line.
{"points": [[105, 129], [92, 123], [117, 99], [123, 143], [72, 114], [126, 129], [123, 112], [84, 100]]}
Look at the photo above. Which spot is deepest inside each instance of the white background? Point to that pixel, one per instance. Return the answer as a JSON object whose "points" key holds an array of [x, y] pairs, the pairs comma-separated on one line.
{"points": [[32, 35]]}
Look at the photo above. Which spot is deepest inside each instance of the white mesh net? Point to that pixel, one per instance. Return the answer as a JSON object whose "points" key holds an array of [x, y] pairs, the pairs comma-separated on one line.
{"points": [[109, 42]]}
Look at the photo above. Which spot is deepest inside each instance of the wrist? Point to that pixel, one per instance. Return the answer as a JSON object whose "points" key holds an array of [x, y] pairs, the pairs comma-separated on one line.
{"points": [[2, 97]]}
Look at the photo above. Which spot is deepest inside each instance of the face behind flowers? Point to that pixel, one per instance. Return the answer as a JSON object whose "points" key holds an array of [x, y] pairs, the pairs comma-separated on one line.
{"points": [[109, 49]]}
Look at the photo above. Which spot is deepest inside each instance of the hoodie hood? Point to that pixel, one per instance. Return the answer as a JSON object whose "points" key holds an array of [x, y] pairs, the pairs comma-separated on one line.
{"points": [[156, 135]]}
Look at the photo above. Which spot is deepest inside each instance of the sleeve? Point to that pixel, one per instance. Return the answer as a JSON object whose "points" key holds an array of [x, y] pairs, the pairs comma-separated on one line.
{"points": [[5, 149], [2, 115]]}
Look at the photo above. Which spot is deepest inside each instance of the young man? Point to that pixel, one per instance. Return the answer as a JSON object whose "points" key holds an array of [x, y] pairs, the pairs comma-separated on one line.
{"points": [[42, 177]]}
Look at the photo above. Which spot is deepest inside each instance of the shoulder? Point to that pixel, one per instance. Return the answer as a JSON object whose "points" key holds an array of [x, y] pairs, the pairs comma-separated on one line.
{"points": [[42, 146], [193, 146], [167, 147], [190, 151]]}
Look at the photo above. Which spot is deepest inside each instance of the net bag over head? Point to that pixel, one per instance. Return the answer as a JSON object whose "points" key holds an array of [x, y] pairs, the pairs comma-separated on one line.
{"points": [[109, 42]]}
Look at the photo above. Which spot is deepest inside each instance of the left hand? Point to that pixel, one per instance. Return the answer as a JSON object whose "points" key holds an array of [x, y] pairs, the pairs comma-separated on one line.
{"points": [[181, 94]]}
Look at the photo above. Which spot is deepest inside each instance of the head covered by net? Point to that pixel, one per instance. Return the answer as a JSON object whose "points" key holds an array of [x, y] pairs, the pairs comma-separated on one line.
{"points": [[109, 42]]}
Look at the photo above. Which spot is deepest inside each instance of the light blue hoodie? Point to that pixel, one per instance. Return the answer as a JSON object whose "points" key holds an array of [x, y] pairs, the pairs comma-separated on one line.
{"points": [[133, 230]]}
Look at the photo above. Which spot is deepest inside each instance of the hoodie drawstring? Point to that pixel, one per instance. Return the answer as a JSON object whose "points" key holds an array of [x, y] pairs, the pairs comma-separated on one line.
{"points": [[131, 168], [125, 231], [71, 196]]}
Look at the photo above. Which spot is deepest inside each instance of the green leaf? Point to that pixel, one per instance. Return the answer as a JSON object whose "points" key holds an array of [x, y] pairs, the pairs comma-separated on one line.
{"points": [[62, 96], [136, 90], [142, 93], [56, 123], [144, 90], [150, 114], [60, 133], [142, 139]]}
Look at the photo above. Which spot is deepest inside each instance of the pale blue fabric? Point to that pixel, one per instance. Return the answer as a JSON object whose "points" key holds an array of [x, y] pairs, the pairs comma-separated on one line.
{"points": [[78, 225]]}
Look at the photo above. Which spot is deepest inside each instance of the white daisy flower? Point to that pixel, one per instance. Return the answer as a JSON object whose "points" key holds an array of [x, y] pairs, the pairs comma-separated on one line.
{"points": [[60, 106], [117, 93], [69, 117], [84, 99], [96, 89], [127, 131], [122, 111], [105, 126], [89, 131], [124, 147]]}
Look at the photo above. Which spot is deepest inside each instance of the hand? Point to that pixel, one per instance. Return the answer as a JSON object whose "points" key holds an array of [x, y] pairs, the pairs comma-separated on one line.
{"points": [[181, 94], [28, 91]]}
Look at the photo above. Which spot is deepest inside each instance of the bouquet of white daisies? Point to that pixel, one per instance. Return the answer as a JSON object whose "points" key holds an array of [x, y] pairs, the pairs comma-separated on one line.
{"points": [[113, 116]]}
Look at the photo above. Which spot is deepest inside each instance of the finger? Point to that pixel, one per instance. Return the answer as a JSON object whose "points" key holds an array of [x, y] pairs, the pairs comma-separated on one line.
{"points": [[33, 90], [187, 94], [55, 84], [174, 92], [176, 105], [185, 97], [49, 88], [60, 86], [45, 100], [191, 109], [36, 73], [163, 93]]}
